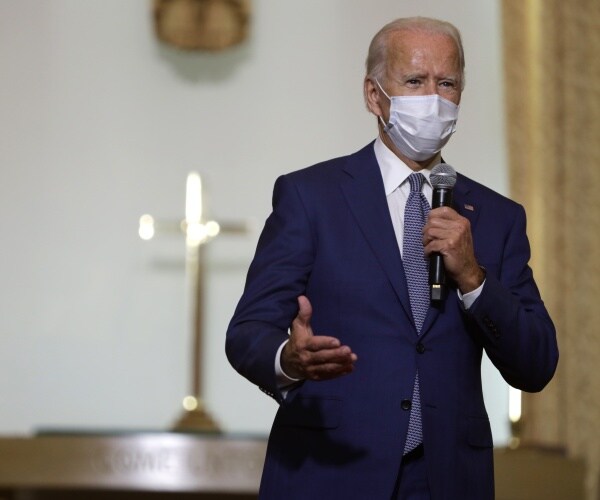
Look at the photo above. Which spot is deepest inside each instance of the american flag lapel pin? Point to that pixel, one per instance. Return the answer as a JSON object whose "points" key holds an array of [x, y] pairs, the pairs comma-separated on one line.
{"points": [[469, 207]]}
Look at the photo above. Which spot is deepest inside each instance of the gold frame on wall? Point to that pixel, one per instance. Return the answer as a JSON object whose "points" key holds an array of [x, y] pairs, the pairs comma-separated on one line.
{"points": [[211, 25]]}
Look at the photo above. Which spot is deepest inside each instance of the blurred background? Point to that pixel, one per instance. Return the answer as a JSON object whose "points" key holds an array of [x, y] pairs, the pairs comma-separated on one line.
{"points": [[101, 122]]}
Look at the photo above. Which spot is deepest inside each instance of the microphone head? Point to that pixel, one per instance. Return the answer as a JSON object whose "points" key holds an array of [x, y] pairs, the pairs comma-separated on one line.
{"points": [[443, 176]]}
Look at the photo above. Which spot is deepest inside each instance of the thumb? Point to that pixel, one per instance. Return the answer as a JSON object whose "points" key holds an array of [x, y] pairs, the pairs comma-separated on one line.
{"points": [[304, 312]]}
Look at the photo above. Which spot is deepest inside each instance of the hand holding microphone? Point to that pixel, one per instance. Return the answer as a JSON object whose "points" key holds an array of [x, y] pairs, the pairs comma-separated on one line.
{"points": [[448, 240], [442, 178]]}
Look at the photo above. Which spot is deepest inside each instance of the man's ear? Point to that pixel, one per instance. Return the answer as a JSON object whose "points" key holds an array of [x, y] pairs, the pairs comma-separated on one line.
{"points": [[372, 96]]}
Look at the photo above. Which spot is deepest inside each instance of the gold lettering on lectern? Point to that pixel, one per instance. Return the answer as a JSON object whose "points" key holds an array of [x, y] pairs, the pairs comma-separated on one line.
{"points": [[132, 461], [214, 463]]}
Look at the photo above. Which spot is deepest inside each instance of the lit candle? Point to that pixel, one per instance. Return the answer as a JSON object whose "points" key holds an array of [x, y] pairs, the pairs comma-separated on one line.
{"points": [[193, 198], [194, 229], [514, 404]]}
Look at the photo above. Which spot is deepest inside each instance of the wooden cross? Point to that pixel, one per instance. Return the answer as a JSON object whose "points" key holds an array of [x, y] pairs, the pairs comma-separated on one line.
{"points": [[198, 232]]}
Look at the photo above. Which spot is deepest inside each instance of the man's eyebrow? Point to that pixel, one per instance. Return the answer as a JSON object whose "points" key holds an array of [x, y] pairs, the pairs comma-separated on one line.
{"points": [[410, 76]]}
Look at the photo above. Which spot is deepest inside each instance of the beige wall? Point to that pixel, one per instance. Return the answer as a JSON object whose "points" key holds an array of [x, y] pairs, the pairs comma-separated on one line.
{"points": [[100, 124]]}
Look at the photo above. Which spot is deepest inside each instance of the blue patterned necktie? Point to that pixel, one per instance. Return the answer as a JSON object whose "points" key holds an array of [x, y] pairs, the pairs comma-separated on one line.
{"points": [[415, 268]]}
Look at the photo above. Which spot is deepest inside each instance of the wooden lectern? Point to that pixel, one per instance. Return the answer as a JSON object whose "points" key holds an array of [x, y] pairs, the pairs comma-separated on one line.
{"points": [[135, 466], [130, 466]]}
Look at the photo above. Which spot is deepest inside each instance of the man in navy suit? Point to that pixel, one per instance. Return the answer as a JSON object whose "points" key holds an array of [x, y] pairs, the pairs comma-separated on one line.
{"points": [[327, 326]]}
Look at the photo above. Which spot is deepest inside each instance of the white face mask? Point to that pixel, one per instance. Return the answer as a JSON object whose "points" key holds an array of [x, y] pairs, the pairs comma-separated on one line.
{"points": [[420, 125]]}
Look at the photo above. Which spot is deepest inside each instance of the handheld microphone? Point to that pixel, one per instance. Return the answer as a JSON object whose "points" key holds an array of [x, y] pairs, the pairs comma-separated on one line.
{"points": [[442, 178]]}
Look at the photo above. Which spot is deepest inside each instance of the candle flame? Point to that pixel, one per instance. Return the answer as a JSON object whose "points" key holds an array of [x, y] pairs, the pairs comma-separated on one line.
{"points": [[193, 199], [146, 228], [514, 404]]}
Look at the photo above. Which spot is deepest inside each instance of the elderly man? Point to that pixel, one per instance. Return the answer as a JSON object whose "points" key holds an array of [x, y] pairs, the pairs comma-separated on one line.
{"points": [[380, 387]]}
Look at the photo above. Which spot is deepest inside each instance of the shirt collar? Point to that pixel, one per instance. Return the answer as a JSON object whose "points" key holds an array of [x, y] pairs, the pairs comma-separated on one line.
{"points": [[393, 170]]}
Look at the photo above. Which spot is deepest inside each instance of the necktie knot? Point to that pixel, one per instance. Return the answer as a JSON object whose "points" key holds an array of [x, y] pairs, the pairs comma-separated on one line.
{"points": [[416, 182]]}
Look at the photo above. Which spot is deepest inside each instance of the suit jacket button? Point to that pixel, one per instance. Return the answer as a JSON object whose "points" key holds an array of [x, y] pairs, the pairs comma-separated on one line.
{"points": [[406, 404], [420, 348]]}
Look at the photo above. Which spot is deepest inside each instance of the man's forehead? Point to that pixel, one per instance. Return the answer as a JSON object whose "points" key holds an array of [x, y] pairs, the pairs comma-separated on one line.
{"points": [[411, 47], [408, 38]]}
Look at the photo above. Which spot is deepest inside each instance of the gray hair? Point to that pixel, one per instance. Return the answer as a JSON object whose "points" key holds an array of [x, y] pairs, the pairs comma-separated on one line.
{"points": [[378, 49]]}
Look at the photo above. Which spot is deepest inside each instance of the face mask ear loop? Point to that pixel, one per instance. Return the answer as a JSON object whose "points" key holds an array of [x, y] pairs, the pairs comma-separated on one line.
{"points": [[389, 125], [381, 88], [385, 127]]}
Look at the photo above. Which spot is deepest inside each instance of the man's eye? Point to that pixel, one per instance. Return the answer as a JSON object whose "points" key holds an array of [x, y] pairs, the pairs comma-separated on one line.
{"points": [[448, 84], [413, 81]]}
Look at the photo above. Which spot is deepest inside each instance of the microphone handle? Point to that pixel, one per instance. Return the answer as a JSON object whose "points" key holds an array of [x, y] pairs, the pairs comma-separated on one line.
{"points": [[442, 197]]}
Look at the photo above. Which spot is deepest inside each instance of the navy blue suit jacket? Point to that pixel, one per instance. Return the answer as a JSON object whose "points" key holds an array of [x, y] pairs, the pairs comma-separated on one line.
{"points": [[330, 237]]}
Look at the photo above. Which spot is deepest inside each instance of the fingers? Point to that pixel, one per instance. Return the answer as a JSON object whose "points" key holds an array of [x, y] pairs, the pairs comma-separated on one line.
{"points": [[444, 227], [301, 330], [314, 357], [304, 311], [446, 232], [338, 355], [328, 363], [449, 234], [317, 361], [329, 371]]}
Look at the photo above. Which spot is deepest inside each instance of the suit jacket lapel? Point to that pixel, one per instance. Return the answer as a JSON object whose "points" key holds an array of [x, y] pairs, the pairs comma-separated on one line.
{"points": [[464, 203], [365, 194]]}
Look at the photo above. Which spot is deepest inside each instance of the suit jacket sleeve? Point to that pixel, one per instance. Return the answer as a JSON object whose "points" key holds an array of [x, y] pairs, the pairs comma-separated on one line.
{"points": [[516, 330], [277, 276]]}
